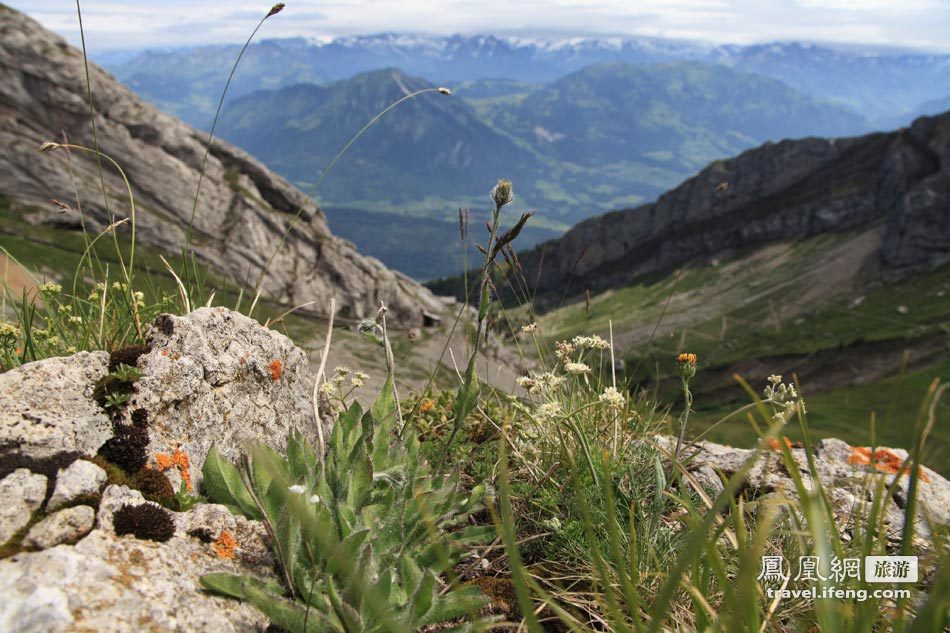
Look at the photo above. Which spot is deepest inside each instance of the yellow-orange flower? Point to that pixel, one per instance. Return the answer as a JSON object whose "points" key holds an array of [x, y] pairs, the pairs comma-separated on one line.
{"points": [[687, 358], [426, 405]]}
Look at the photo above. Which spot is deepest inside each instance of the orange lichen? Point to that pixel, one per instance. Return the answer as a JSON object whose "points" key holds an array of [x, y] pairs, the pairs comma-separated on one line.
{"points": [[426, 405], [225, 545], [179, 460], [773, 443], [276, 369], [884, 460]]}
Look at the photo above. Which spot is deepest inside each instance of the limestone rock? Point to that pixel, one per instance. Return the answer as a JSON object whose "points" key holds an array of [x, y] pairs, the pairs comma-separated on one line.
{"points": [[846, 477], [81, 478], [117, 584], [23, 493], [65, 526], [215, 376], [244, 209], [47, 408]]}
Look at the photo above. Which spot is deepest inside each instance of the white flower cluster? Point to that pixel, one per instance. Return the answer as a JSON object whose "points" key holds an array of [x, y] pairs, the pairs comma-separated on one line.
{"points": [[780, 393], [612, 398], [590, 342], [530, 328], [7, 329], [576, 368], [548, 411], [536, 383]]}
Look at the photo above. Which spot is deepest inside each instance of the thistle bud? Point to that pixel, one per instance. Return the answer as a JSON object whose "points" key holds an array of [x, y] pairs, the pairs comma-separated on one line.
{"points": [[502, 193], [687, 365]]}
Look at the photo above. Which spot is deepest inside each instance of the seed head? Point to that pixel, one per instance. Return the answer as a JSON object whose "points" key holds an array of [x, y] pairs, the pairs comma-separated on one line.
{"points": [[274, 10], [445, 91], [502, 193]]}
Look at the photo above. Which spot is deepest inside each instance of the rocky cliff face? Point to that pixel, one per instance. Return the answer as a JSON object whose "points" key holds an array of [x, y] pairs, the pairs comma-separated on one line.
{"points": [[243, 210], [787, 190]]}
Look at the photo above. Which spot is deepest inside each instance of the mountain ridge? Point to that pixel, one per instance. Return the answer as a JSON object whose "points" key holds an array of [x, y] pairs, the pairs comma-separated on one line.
{"points": [[900, 180], [243, 210]]}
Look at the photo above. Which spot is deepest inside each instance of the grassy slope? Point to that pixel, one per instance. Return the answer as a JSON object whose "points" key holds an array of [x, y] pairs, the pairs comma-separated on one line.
{"points": [[777, 315]]}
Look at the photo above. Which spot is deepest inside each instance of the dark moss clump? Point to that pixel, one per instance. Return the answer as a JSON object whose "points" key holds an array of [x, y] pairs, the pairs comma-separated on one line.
{"points": [[126, 356], [111, 385], [155, 486], [140, 418], [115, 476], [127, 449], [202, 534], [48, 466], [145, 521]]}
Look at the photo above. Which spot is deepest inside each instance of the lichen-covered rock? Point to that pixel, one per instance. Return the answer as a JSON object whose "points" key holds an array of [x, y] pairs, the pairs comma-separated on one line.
{"points": [[65, 526], [22, 493], [107, 583], [79, 479], [845, 472], [47, 407], [216, 376]]}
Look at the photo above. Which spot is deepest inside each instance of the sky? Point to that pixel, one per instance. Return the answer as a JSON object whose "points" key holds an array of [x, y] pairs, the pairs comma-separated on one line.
{"points": [[136, 24]]}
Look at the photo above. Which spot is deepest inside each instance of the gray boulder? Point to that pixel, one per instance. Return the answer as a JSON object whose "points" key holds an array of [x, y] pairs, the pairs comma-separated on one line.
{"points": [[217, 377], [844, 471], [47, 408], [79, 479], [23, 493], [65, 526]]}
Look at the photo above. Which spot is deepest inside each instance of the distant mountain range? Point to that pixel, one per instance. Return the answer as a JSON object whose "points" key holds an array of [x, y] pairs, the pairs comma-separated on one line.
{"points": [[187, 81], [607, 136], [581, 126]]}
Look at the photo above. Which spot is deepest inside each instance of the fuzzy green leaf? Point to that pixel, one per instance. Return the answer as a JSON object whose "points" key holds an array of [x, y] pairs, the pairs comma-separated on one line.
{"points": [[222, 483]]}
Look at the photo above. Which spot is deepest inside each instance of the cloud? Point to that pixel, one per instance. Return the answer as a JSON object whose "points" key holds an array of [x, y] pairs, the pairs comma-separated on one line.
{"points": [[151, 23]]}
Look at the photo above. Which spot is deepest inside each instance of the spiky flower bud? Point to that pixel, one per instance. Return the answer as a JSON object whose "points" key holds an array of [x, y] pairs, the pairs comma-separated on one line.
{"points": [[277, 8], [687, 365], [502, 193]]}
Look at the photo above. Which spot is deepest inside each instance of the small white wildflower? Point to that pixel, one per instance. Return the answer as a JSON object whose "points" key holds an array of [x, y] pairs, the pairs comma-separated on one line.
{"points": [[75, 320], [563, 349], [590, 342], [8, 329], [65, 308], [553, 524], [49, 288], [774, 379], [548, 411], [40, 334], [525, 382], [356, 381], [53, 340], [550, 380], [299, 489], [612, 398], [576, 368], [314, 499], [342, 371], [328, 388], [531, 328], [71, 349]]}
